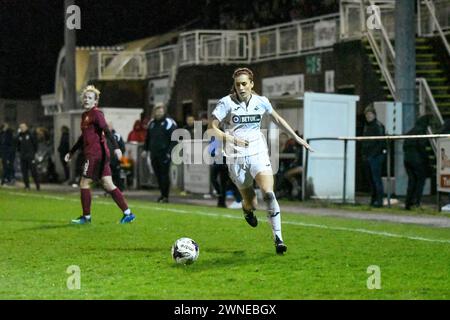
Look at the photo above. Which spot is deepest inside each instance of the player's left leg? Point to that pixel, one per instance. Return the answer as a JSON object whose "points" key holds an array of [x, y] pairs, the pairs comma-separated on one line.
{"points": [[86, 199], [117, 195], [265, 181], [249, 203]]}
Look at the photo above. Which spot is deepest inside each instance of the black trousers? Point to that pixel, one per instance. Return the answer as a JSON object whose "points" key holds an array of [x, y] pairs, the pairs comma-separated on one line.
{"points": [[29, 165], [161, 167], [115, 175], [417, 175], [219, 180], [373, 167], [65, 166], [8, 167]]}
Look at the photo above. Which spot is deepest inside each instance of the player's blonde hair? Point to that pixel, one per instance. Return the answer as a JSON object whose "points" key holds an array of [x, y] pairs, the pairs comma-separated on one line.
{"points": [[91, 88]]}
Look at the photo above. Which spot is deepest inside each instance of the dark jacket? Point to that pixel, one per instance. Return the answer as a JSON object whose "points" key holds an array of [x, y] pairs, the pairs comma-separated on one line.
{"points": [[445, 129], [415, 150], [64, 144], [27, 145], [159, 134], [114, 161], [371, 148], [7, 146]]}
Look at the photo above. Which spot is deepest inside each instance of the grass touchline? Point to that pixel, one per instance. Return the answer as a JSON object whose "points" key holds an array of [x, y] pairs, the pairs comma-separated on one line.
{"points": [[296, 223]]}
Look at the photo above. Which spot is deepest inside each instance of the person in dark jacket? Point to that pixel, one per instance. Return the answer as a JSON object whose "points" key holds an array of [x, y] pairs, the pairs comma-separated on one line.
{"points": [[63, 149], [160, 145], [416, 162], [27, 147], [114, 163], [189, 126], [373, 155], [7, 153]]}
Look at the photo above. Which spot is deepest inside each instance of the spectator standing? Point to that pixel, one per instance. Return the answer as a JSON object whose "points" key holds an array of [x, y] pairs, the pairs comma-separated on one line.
{"points": [[416, 163], [374, 154], [7, 153], [189, 126], [63, 149], [27, 147], [160, 145]]}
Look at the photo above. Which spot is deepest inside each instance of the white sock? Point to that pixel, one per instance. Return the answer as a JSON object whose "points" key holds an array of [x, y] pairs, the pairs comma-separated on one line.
{"points": [[273, 214], [88, 216], [127, 212]]}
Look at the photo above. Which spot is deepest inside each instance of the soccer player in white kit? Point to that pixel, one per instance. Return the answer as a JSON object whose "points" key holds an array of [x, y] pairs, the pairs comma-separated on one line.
{"points": [[246, 149]]}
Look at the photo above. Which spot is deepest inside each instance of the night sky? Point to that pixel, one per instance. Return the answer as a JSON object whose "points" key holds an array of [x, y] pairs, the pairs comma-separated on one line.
{"points": [[32, 34]]}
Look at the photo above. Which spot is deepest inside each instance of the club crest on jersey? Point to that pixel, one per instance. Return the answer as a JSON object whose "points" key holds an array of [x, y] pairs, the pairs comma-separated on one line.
{"points": [[256, 118]]}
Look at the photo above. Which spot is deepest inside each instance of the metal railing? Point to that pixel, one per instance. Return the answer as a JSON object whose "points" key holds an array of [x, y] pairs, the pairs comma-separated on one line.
{"points": [[295, 38], [111, 65], [379, 40], [160, 61], [427, 105], [388, 140], [205, 47], [431, 15], [353, 17]]}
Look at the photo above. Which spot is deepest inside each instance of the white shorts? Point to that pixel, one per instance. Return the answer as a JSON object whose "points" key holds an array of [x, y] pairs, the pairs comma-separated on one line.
{"points": [[243, 170]]}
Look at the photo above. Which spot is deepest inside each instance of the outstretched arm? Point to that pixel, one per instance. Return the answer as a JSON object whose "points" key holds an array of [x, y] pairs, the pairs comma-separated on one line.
{"points": [[280, 122], [74, 149]]}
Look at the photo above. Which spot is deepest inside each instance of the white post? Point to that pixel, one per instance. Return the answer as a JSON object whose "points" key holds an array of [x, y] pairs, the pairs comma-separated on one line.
{"points": [[299, 38], [341, 20], [161, 62], [277, 42], [223, 53], [258, 47], [99, 65], [197, 48], [419, 19]]}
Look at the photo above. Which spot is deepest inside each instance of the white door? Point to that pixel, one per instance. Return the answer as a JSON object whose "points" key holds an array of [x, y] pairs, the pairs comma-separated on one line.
{"points": [[331, 116]]}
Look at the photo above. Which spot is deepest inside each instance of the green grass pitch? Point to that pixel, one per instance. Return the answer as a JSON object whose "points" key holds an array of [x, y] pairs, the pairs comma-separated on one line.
{"points": [[327, 258]]}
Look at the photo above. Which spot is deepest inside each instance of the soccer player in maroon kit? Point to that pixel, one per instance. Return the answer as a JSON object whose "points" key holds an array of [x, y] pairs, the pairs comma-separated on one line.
{"points": [[94, 130]]}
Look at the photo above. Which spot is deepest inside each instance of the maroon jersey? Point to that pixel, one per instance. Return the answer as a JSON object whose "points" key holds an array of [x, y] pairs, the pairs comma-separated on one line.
{"points": [[92, 125]]}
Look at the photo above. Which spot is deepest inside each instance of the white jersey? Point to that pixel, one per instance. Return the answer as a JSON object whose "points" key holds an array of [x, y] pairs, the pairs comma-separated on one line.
{"points": [[244, 122]]}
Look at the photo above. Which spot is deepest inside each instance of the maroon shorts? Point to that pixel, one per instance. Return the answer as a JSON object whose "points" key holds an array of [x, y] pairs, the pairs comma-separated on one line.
{"points": [[96, 168]]}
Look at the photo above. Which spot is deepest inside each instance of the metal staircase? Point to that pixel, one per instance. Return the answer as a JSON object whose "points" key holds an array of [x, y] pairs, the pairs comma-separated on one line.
{"points": [[428, 68]]}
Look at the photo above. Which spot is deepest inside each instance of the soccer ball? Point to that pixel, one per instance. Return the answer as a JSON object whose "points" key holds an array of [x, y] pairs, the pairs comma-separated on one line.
{"points": [[185, 251]]}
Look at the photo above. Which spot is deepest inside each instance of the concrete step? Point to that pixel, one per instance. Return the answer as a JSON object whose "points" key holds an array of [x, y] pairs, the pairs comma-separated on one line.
{"points": [[441, 96], [424, 55], [423, 47], [430, 71]]}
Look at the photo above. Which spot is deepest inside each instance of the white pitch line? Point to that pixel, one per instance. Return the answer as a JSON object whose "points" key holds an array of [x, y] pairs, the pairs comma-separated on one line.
{"points": [[295, 223]]}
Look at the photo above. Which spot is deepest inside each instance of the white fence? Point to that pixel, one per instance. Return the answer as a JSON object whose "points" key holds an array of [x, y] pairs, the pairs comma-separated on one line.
{"points": [[295, 38], [204, 47]]}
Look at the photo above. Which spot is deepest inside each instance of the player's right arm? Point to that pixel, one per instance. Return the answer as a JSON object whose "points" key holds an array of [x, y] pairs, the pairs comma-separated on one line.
{"points": [[225, 137], [221, 111], [74, 149]]}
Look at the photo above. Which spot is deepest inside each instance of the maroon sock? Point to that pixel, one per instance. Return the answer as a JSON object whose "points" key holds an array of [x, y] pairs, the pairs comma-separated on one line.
{"points": [[119, 199], [86, 201]]}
